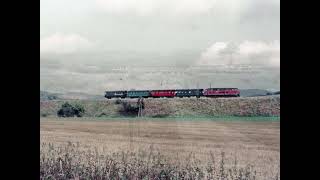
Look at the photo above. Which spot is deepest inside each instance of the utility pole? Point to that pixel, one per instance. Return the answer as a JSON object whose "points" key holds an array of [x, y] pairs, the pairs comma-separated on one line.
{"points": [[140, 106], [198, 93]]}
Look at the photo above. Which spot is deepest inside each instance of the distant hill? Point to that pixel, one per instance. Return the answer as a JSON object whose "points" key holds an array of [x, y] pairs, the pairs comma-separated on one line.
{"points": [[256, 92], [80, 96], [44, 95], [278, 92]]}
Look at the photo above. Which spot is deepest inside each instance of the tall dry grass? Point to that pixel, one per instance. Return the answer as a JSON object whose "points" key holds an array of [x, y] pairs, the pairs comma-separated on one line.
{"points": [[75, 162]]}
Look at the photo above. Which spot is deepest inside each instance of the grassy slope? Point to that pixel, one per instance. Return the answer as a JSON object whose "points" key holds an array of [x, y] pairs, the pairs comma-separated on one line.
{"points": [[186, 107]]}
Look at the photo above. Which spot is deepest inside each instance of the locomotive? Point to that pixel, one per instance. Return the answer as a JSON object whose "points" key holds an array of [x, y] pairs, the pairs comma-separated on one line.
{"points": [[171, 93]]}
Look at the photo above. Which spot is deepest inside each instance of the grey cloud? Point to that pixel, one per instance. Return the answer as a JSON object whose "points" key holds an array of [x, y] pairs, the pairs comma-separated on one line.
{"points": [[158, 50], [146, 78], [261, 11], [247, 52]]}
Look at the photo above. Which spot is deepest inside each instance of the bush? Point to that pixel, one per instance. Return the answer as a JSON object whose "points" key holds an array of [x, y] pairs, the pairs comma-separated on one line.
{"points": [[68, 110], [102, 115], [118, 101], [52, 97], [78, 110], [160, 115], [43, 114], [128, 109]]}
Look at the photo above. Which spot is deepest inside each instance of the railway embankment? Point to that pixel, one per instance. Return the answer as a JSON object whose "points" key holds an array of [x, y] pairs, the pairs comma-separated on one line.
{"points": [[173, 107]]}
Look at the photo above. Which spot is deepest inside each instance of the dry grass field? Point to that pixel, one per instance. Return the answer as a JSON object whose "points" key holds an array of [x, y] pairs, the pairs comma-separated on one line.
{"points": [[209, 149]]}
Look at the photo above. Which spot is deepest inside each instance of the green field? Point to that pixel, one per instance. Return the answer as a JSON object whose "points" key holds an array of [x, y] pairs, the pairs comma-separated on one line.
{"points": [[181, 118]]}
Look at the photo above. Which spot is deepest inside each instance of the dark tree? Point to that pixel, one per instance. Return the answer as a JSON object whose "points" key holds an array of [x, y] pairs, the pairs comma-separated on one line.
{"points": [[68, 110]]}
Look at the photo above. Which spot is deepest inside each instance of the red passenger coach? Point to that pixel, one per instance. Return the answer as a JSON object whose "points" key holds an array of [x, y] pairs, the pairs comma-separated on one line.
{"points": [[163, 93], [221, 92]]}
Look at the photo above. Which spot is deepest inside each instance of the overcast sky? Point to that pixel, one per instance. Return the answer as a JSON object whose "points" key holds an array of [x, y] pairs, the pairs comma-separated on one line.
{"points": [[96, 45]]}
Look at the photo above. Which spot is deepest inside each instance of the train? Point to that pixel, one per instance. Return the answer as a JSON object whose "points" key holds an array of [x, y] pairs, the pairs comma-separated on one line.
{"points": [[172, 93]]}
